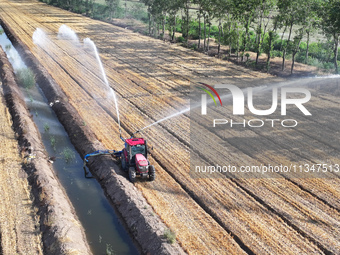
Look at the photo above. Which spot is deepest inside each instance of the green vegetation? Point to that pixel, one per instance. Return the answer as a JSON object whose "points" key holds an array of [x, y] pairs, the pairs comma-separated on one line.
{"points": [[30, 97], [109, 249], [170, 236], [68, 155], [276, 28], [247, 55], [180, 39], [1, 31], [8, 47], [113, 8], [53, 142], [26, 78], [46, 127]]}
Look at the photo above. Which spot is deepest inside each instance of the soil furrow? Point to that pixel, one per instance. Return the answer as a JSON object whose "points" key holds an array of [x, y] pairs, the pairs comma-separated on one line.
{"points": [[244, 209]]}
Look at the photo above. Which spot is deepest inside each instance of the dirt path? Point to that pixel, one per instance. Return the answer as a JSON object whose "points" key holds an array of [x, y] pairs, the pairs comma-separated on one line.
{"points": [[19, 224], [152, 79]]}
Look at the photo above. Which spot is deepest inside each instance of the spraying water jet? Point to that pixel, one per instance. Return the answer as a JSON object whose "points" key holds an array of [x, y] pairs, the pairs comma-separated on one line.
{"points": [[112, 94], [66, 33], [161, 120]]}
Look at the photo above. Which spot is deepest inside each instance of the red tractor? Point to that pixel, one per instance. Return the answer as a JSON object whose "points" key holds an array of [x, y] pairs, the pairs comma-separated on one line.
{"points": [[134, 159]]}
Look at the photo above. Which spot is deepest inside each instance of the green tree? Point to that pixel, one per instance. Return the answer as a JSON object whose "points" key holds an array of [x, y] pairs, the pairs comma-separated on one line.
{"points": [[112, 6], [186, 19], [296, 46], [312, 22], [231, 34], [221, 10], [330, 14], [264, 16], [208, 15], [89, 5], [292, 13], [200, 14], [271, 37], [245, 11], [308, 19], [158, 11], [173, 8]]}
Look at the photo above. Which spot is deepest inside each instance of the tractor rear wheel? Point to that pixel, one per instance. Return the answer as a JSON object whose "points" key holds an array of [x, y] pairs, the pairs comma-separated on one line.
{"points": [[152, 173], [123, 162], [132, 174]]}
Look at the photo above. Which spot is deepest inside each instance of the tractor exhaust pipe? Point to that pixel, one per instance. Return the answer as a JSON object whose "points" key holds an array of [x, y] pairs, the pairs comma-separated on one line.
{"points": [[123, 139], [135, 133]]}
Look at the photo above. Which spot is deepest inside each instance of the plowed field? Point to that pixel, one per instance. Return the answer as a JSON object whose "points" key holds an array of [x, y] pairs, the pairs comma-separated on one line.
{"points": [[152, 80]]}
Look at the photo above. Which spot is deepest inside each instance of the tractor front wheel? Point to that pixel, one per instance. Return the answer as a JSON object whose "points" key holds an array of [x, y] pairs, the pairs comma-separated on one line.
{"points": [[152, 173], [132, 174]]}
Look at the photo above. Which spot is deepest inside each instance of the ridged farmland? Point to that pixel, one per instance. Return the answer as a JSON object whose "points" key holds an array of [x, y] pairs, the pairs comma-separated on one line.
{"points": [[282, 215]]}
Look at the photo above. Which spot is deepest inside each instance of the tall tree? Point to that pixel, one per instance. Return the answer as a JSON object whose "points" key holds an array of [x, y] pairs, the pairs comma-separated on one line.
{"points": [[200, 13], [272, 35], [172, 7], [186, 18], [221, 10], [330, 13], [292, 12], [264, 10], [207, 10], [245, 11], [312, 22], [112, 6], [308, 20], [296, 46]]}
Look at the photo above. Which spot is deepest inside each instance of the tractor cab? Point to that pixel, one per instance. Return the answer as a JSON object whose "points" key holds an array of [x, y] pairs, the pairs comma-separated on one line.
{"points": [[135, 146]]}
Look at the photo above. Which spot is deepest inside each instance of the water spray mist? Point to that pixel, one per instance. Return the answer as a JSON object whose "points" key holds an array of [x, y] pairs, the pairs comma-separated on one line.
{"points": [[89, 42]]}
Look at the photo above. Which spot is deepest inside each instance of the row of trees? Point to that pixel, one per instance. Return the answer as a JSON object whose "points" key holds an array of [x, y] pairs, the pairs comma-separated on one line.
{"points": [[277, 27], [251, 24]]}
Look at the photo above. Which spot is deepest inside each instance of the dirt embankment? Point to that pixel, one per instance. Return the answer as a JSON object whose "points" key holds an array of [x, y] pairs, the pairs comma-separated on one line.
{"points": [[61, 230], [142, 223], [19, 223]]}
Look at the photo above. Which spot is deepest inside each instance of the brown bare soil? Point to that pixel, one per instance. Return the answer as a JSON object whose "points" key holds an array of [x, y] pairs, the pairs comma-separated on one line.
{"points": [[152, 78], [19, 224]]}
